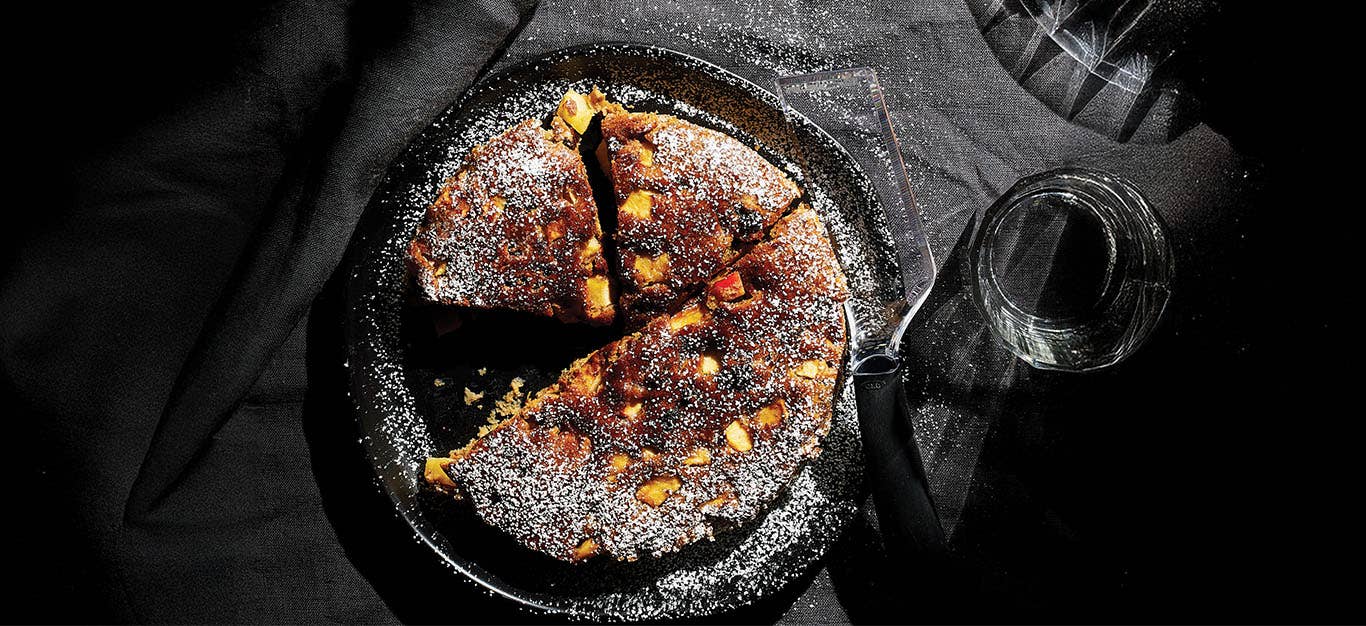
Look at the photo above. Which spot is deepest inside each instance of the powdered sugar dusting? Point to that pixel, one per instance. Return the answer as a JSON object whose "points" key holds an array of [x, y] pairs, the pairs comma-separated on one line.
{"points": [[512, 229], [717, 168], [739, 566]]}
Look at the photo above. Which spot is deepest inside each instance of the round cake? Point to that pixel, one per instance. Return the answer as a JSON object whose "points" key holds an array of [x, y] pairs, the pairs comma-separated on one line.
{"points": [[698, 419]]}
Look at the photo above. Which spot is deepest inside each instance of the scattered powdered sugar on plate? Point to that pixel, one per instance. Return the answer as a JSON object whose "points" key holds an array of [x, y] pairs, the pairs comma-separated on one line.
{"points": [[739, 566]]}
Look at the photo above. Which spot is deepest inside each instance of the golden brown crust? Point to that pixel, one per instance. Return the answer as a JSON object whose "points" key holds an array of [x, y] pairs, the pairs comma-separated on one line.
{"points": [[695, 422], [516, 228], [689, 200]]}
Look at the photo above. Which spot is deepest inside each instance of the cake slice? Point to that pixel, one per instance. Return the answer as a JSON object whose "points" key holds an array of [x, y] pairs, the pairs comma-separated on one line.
{"points": [[516, 228], [689, 200], [695, 422]]}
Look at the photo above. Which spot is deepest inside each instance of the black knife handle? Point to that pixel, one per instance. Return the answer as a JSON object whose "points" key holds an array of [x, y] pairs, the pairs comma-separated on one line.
{"points": [[906, 515]]}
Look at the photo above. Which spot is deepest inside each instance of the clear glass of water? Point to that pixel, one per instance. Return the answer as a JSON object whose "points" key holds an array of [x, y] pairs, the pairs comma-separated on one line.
{"points": [[1071, 268]]}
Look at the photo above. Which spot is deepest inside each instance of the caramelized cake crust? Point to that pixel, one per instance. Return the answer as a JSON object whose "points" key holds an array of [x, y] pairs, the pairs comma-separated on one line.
{"points": [[689, 200], [516, 228], [695, 422]]}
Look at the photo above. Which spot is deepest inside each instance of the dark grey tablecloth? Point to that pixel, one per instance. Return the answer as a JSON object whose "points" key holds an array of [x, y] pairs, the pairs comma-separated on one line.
{"points": [[170, 330]]}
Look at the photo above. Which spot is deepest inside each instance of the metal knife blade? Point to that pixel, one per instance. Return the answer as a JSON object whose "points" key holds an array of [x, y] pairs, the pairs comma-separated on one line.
{"points": [[849, 105]]}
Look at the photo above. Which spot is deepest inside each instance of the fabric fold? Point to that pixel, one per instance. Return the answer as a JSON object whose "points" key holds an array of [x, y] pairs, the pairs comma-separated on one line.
{"points": [[404, 72]]}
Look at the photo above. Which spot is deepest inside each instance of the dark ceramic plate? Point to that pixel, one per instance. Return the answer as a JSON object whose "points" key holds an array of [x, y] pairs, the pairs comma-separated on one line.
{"points": [[409, 385]]}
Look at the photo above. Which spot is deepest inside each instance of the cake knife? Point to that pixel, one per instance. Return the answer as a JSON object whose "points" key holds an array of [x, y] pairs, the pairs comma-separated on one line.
{"points": [[849, 105]]}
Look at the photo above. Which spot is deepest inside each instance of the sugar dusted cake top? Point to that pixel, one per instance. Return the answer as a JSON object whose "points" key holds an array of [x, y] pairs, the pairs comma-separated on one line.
{"points": [[516, 228]]}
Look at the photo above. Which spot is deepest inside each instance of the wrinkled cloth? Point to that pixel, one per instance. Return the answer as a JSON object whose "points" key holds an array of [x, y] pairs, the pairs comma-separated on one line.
{"points": [[191, 249], [170, 330]]}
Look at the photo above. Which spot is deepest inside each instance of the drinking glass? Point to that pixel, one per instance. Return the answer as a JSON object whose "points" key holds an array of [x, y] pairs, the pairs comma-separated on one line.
{"points": [[1071, 269]]}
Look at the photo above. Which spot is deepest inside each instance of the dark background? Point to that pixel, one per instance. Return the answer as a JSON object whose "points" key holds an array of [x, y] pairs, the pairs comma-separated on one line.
{"points": [[1249, 511]]}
